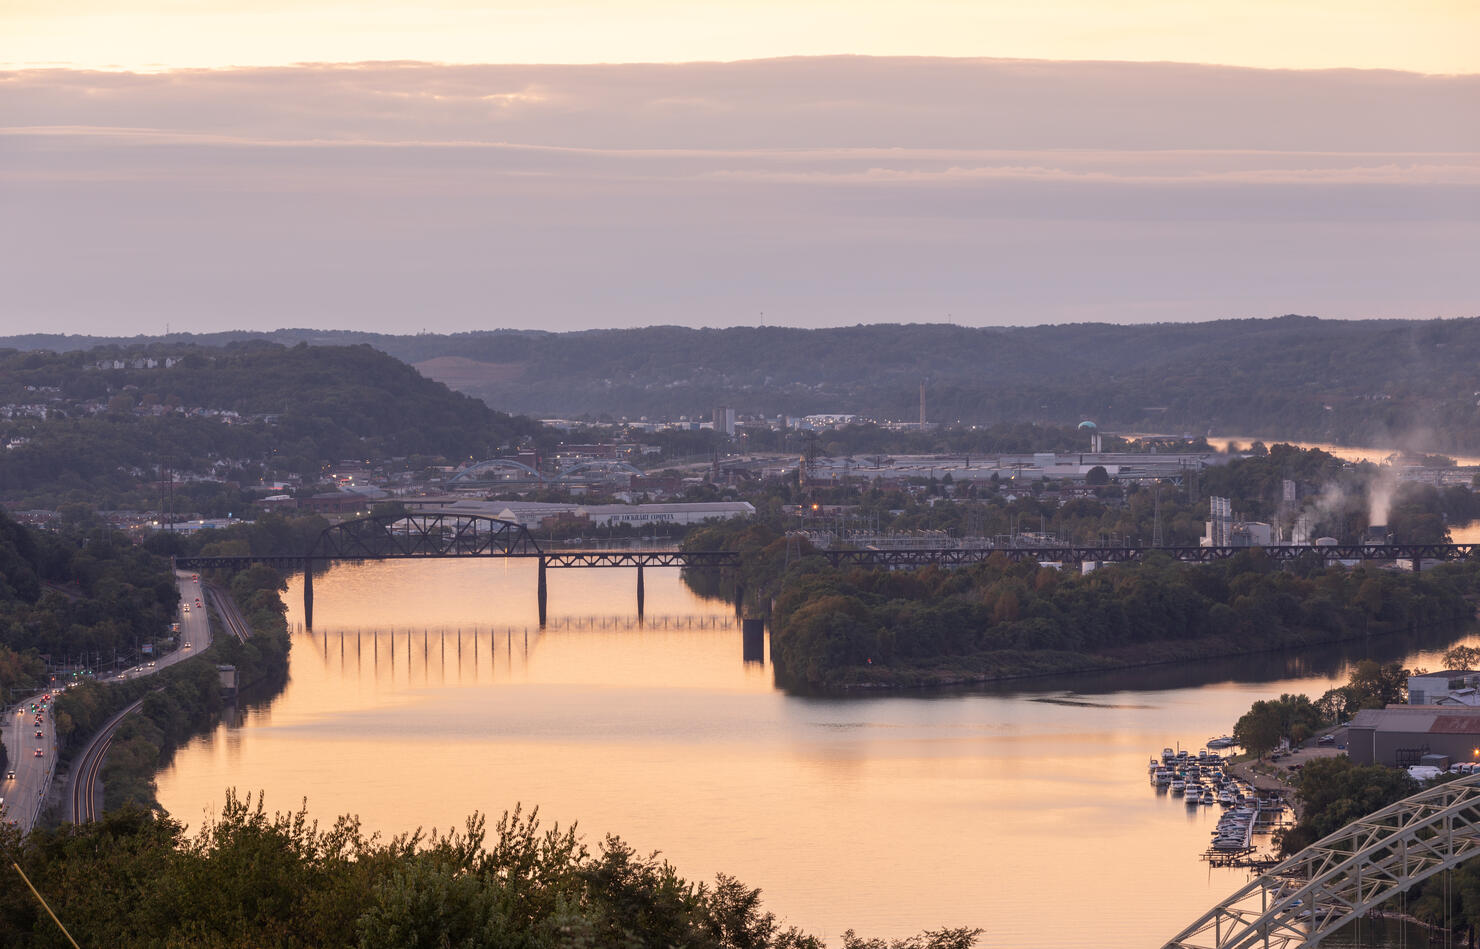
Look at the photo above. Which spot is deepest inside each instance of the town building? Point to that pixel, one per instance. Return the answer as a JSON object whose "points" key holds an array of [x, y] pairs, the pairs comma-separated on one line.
{"points": [[1446, 687]]}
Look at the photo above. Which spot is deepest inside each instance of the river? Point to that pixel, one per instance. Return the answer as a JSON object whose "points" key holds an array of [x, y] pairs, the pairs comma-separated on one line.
{"points": [[1345, 452], [427, 691]]}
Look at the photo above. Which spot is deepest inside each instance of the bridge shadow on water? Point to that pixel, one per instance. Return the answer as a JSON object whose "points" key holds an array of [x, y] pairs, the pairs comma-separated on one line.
{"points": [[451, 655]]}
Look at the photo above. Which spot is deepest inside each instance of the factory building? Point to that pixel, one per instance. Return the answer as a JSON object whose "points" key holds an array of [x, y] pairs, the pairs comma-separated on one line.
{"points": [[1402, 735], [1034, 466]]}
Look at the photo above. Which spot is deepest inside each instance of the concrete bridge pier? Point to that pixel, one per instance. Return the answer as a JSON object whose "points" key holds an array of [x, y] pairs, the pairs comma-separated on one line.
{"points": [[753, 640], [308, 594], [739, 600], [640, 594], [542, 592]]}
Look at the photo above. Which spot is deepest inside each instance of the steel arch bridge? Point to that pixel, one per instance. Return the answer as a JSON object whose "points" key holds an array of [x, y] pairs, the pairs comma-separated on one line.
{"points": [[603, 466], [396, 536], [473, 473], [1335, 880]]}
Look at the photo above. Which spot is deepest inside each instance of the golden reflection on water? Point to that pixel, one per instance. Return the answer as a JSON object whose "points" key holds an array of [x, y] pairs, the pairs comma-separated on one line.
{"points": [[427, 691], [1344, 452]]}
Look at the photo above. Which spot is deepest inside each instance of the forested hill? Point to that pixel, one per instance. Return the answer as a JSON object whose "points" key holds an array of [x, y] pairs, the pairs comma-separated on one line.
{"points": [[1292, 377], [92, 425]]}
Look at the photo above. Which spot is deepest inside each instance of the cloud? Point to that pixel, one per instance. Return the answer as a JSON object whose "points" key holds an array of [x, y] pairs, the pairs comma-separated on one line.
{"points": [[818, 190]]}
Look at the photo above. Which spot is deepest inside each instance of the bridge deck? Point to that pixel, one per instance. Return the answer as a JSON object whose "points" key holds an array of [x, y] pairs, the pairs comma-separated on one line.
{"points": [[904, 557]]}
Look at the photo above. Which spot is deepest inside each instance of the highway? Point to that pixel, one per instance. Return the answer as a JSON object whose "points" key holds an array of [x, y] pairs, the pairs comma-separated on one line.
{"points": [[25, 794]]}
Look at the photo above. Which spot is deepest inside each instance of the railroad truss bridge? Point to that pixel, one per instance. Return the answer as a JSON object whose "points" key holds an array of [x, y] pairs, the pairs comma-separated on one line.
{"points": [[445, 535]]}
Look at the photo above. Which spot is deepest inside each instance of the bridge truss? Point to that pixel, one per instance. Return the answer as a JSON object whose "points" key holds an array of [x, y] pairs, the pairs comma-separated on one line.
{"points": [[395, 536], [1339, 878]]}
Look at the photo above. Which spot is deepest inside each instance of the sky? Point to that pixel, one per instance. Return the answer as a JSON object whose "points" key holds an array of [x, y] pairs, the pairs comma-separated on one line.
{"points": [[403, 168]]}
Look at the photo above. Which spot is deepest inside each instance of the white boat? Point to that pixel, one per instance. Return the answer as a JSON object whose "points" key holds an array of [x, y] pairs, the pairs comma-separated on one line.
{"points": [[1222, 741], [1162, 777], [1179, 786]]}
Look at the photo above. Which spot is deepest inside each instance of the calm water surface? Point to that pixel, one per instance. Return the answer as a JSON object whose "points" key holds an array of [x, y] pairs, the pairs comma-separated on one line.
{"points": [[420, 697]]}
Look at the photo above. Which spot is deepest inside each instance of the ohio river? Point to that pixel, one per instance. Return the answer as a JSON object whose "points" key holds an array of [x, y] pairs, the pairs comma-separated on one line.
{"points": [[420, 698]]}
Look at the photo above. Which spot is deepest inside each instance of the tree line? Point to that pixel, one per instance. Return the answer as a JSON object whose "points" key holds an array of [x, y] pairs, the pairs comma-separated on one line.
{"points": [[251, 878]]}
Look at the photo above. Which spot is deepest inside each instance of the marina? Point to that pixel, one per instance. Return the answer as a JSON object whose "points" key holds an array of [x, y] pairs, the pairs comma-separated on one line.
{"points": [[1204, 779]]}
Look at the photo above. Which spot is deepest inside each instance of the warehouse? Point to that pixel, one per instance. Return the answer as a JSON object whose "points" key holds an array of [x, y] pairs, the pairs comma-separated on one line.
{"points": [[1400, 735]]}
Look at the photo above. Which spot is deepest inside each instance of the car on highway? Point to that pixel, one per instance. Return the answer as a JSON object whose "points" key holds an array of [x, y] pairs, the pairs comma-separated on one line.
{"points": [[38, 752], [151, 663], [10, 775], [38, 734], [187, 645], [195, 577], [187, 607]]}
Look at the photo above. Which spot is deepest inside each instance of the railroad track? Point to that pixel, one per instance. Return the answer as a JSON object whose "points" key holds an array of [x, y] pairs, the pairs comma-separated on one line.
{"points": [[230, 615], [90, 766]]}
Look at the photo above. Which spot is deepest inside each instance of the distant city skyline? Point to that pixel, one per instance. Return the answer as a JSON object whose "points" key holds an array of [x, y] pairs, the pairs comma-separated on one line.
{"points": [[818, 191]]}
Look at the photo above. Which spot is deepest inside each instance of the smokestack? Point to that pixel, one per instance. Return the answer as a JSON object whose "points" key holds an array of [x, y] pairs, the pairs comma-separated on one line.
{"points": [[922, 404]]}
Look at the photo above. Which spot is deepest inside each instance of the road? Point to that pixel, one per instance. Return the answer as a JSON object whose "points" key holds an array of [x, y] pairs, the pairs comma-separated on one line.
{"points": [[25, 794]]}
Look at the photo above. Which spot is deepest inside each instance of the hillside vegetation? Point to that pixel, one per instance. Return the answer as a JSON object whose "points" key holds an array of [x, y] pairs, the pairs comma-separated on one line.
{"points": [[1362, 382], [103, 425]]}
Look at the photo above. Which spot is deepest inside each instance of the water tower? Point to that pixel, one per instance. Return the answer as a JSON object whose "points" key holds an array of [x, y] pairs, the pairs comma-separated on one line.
{"points": [[1094, 435]]}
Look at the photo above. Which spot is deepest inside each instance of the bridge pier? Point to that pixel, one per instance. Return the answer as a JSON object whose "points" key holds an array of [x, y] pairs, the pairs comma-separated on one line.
{"points": [[753, 640], [641, 595], [542, 592], [739, 599], [308, 594]]}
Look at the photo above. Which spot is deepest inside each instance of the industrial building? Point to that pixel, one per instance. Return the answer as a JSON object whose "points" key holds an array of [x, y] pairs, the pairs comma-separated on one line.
{"points": [[1223, 529], [1401, 735], [1034, 466], [1445, 687]]}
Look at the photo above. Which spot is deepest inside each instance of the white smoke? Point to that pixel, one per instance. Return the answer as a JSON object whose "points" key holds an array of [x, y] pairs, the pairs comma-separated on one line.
{"points": [[1380, 496]]}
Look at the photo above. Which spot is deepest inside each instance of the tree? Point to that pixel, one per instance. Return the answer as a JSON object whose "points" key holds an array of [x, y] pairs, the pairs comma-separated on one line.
{"points": [[1374, 684], [1258, 730], [1335, 705], [1462, 657], [1097, 476], [1335, 792]]}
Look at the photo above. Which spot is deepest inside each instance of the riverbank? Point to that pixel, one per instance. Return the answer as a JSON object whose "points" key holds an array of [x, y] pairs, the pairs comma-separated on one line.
{"points": [[996, 620], [1011, 665], [1283, 775], [182, 701]]}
